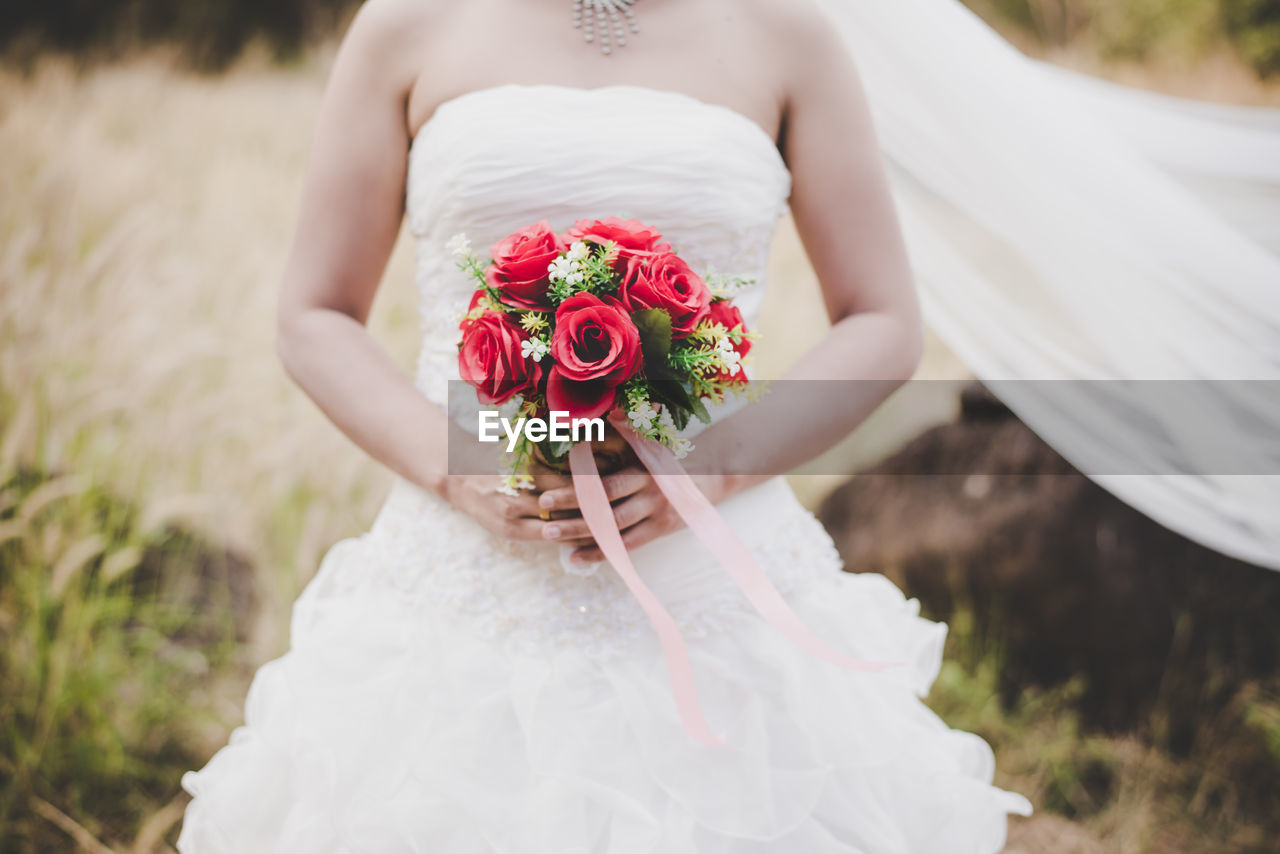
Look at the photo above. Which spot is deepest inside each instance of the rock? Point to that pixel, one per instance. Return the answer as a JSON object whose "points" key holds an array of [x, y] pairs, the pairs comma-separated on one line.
{"points": [[1065, 577]]}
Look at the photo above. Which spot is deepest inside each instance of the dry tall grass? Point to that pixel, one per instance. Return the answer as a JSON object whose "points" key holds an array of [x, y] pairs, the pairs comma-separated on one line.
{"points": [[145, 215]]}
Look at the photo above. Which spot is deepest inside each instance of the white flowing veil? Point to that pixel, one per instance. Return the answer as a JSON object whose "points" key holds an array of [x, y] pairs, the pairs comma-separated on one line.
{"points": [[1064, 228]]}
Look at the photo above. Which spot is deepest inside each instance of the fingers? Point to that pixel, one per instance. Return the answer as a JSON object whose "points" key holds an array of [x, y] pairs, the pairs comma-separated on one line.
{"points": [[564, 530], [518, 506], [522, 528], [577, 543], [546, 478], [628, 512], [618, 485], [515, 517], [638, 535]]}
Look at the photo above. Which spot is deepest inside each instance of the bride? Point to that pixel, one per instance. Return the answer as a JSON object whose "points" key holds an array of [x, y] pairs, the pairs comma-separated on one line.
{"points": [[468, 676]]}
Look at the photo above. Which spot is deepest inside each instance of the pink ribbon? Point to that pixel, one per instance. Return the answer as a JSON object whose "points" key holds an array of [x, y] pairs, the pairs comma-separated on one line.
{"points": [[700, 515]]}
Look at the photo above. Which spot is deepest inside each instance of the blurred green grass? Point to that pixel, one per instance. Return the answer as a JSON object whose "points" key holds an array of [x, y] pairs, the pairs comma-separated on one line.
{"points": [[1124, 791], [104, 669]]}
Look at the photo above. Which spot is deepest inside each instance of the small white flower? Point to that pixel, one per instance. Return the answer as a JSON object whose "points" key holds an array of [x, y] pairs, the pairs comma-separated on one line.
{"points": [[574, 278], [459, 245], [511, 481], [534, 348], [641, 416], [665, 421], [578, 251], [681, 448], [732, 362], [561, 268]]}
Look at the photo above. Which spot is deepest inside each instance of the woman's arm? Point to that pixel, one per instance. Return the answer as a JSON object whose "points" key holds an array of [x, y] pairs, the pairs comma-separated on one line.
{"points": [[351, 210], [845, 216]]}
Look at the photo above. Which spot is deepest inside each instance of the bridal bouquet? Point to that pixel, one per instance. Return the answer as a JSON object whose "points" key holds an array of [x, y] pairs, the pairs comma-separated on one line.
{"points": [[603, 318], [607, 319]]}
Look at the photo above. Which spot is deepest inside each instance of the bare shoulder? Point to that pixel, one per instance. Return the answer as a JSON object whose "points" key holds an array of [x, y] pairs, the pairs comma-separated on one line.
{"points": [[802, 38], [812, 40], [393, 33]]}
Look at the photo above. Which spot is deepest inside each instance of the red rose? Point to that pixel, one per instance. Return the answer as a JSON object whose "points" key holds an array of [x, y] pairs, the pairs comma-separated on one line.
{"points": [[519, 269], [489, 358], [665, 281], [727, 315], [596, 348], [591, 399], [632, 236]]}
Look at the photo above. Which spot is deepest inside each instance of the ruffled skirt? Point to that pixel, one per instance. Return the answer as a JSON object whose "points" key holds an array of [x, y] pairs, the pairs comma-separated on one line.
{"points": [[514, 708]]}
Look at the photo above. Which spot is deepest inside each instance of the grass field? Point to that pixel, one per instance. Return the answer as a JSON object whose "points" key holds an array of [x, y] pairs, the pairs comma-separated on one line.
{"points": [[157, 468]]}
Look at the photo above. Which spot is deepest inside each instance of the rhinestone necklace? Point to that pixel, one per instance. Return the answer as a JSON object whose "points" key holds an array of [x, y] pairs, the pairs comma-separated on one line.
{"points": [[591, 20]]}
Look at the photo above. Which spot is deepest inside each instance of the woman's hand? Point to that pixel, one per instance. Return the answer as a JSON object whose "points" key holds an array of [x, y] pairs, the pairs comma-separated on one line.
{"points": [[641, 510], [513, 517]]}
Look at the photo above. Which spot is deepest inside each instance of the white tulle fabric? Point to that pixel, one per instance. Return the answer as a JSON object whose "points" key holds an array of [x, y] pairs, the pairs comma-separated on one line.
{"points": [[449, 692], [1062, 228]]}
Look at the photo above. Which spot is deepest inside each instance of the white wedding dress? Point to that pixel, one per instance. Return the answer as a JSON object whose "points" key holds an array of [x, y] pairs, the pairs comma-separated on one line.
{"points": [[449, 692]]}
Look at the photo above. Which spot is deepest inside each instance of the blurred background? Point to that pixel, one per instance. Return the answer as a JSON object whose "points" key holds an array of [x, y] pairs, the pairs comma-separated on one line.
{"points": [[165, 492]]}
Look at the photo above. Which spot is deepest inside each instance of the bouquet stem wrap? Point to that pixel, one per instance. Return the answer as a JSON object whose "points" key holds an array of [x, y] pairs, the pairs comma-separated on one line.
{"points": [[710, 527]]}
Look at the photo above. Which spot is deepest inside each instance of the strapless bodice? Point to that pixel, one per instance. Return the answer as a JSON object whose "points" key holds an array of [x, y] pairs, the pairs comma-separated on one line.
{"points": [[490, 161]]}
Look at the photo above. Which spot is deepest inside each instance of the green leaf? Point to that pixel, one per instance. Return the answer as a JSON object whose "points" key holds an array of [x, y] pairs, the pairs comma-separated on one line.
{"points": [[655, 339], [699, 408], [670, 390], [679, 417], [675, 398], [555, 454]]}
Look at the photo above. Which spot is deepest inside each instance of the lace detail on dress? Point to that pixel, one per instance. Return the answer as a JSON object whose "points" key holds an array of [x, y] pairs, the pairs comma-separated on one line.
{"points": [[434, 557]]}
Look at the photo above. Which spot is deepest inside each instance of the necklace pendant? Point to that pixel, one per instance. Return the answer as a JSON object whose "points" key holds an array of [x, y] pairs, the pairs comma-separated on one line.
{"points": [[605, 21]]}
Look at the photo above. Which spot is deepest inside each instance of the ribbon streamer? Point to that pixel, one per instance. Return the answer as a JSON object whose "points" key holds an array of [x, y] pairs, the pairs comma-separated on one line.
{"points": [[596, 510], [700, 515]]}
